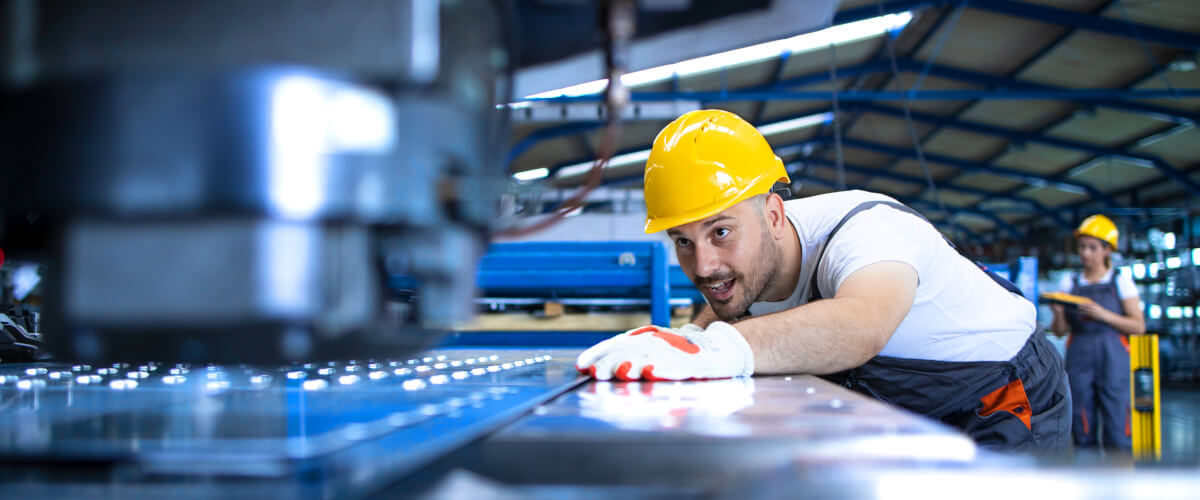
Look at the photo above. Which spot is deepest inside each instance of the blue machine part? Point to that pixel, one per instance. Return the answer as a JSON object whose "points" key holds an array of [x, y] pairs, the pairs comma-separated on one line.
{"points": [[682, 286], [529, 339], [635, 270], [579, 269]]}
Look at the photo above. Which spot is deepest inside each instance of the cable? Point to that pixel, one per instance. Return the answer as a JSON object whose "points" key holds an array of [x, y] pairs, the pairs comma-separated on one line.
{"points": [[937, 49], [620, 19], [837, 117], [912, 132]]}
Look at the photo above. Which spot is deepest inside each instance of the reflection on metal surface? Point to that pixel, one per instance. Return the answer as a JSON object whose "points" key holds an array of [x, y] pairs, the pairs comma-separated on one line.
{"points": [[711, 434], [269, 423], [652, 405], [796, 408], [1056, 483]]}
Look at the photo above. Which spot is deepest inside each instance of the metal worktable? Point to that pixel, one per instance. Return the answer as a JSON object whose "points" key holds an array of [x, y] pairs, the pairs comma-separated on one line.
{"points": [[455, 423], [351, 428]]}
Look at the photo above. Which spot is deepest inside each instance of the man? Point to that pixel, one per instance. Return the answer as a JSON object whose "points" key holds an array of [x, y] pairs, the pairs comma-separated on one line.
{"points": [[852, 286]]}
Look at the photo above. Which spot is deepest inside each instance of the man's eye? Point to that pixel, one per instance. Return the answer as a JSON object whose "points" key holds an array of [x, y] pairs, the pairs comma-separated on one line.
{"points": [[682, 242], [721, 232]]}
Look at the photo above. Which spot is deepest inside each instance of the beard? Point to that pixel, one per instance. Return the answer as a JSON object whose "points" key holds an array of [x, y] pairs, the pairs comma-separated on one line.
{"points": [[751, 286]]}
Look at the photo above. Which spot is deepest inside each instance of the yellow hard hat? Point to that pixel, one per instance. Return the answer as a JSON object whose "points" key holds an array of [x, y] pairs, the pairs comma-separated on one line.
{"points": [[703, 163], [1101, 227]]}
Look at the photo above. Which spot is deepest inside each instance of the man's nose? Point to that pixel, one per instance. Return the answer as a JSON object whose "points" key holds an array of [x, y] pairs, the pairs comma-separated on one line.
{"points": [[707, 260]]}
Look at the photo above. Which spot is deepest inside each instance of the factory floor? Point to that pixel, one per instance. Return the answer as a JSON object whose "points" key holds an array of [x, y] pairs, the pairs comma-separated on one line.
{"points": [[1180, 433], [1181, 425]]}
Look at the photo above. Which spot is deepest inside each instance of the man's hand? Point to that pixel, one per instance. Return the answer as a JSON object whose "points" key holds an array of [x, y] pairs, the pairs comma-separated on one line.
{"points": [[656, 353]]}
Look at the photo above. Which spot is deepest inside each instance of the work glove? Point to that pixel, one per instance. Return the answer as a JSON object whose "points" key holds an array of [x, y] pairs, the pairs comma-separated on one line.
{"points": [[657, 353]]}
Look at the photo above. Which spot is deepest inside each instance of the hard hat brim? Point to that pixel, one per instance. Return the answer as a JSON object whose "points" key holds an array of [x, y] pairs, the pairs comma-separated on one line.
{"points": [[754, 189]]}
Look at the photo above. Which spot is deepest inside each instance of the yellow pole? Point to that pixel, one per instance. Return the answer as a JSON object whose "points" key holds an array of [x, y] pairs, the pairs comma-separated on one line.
{"points": [[1144, 392], [1157, 398]]}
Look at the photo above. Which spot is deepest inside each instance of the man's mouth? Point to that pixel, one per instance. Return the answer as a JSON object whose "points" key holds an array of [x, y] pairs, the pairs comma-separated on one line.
{"points": [[721, 291]]}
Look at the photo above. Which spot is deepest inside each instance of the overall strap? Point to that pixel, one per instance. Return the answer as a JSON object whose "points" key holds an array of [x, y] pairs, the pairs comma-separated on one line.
{"points": [[815, 294], [1112, 283]]}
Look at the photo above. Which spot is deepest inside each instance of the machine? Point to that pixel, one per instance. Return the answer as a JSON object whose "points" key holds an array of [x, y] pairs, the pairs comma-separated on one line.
{"points": [[199, 175]]}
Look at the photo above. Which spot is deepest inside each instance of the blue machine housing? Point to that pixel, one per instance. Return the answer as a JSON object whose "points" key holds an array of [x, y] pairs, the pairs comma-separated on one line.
{"points": [[623, 273], [1022, 272], [554, 270]]}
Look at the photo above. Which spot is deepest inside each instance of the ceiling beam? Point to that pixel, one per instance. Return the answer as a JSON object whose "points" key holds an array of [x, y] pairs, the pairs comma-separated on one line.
{"points": [[1014, 73], [916, 203], [1099, 95], [873, 173], [976, 167], [1042, 13], [1017, 137], [997, 88]]}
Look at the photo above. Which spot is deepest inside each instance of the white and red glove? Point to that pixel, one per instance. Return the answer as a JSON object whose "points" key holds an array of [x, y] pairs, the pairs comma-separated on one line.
{"points": [[657, 353]]}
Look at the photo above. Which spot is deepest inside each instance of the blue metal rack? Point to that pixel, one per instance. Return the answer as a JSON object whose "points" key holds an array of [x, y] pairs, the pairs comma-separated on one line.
{"points": [[633, 271], [682, 287], [622, 269], [602, 273]]}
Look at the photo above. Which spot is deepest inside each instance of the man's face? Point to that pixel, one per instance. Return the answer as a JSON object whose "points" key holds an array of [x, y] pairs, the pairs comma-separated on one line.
{"points": [[731, 257]]}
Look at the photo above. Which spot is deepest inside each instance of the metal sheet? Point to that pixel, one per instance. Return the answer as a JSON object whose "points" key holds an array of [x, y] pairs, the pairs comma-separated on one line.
{"points": [[854, 483], [341, 427], [712, 432]]}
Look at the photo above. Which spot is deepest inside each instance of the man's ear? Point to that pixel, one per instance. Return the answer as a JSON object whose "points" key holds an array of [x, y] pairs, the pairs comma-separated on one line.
{"points": [[775, 215]]}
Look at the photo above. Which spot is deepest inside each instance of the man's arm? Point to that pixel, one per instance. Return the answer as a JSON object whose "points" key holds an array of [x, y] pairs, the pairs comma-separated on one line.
{"points": [[834, 334]]}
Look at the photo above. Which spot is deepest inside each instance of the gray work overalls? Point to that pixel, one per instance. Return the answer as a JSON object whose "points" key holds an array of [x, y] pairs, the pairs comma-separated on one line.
{"points": [[1019, 405], [1098, 366]]}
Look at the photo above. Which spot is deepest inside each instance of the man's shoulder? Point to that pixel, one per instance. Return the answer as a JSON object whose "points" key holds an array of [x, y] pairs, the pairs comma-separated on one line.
{"points": [[841, 201], [832, 207]]}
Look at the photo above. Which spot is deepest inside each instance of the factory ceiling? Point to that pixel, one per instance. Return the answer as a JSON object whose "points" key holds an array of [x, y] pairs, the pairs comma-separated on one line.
{"points": [[1025, 115]]}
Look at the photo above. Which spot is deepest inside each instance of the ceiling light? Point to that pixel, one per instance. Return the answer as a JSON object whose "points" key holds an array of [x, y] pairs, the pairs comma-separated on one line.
{"points": [[796, 123], [530, 175], [642, 155], [616, 161], [1182, 64], [808, 42]]}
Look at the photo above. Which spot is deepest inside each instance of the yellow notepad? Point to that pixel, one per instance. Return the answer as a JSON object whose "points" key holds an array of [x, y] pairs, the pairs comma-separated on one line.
{"points": [[1065, 299]]}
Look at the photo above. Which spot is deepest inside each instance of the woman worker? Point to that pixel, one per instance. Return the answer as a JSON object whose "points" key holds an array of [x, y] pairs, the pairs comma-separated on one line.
{"points": [[1099, 329]]}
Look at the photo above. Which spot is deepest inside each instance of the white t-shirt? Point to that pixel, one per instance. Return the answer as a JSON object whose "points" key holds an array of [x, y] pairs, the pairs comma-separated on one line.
{"points": [[958, 313], [1126, 289]]}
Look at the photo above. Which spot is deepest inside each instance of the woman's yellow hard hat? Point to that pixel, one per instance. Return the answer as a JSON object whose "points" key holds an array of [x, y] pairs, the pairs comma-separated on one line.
{"points": [[1101, 227], [703, 163]]}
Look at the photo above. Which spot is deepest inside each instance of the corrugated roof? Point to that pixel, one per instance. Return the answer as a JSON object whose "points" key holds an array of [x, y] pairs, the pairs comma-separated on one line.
{"points": [[1006, 149]]}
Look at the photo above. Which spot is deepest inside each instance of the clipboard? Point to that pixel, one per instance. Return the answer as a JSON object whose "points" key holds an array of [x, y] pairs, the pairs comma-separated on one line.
{"points": [[1064, 299]]}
